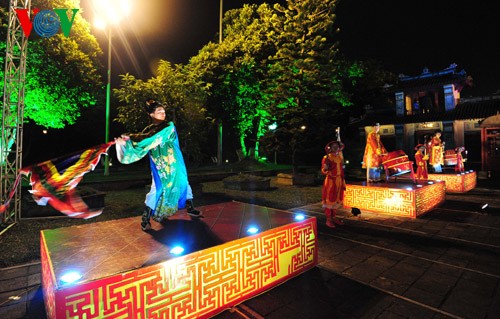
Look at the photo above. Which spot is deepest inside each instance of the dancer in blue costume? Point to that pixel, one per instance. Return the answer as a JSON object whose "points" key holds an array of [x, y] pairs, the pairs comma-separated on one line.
{"points": [[170, 189]]}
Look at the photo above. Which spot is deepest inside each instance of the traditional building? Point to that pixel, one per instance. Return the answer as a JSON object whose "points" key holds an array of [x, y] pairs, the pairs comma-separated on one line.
{"points": [[431, 101]]}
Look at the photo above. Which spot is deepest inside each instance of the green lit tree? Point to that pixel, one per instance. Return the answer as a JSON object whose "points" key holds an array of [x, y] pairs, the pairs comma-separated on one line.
{"points": [[303, 80], [234, 71], [183, 96], [62, 73]]}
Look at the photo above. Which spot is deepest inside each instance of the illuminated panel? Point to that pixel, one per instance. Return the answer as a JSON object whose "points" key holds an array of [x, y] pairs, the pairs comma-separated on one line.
{"points": [[457, 183], [198, 285], [391, 201], [395, 201], [47, 279], [430, 196]]}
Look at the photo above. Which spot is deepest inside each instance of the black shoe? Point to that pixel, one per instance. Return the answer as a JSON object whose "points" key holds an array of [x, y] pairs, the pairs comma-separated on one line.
{"points": [[191, 211], [145, 223]]}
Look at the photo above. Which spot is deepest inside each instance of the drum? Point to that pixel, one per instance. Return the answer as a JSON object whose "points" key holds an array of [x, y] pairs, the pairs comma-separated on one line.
{"points": [[397, 163], [450, 158]]}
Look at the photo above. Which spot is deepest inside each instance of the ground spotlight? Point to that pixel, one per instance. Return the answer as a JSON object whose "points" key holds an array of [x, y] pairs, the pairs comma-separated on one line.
{"points": [[177, 250], [299, 217], [70, 277], [355, 211], [484, 208], [252, 230]]}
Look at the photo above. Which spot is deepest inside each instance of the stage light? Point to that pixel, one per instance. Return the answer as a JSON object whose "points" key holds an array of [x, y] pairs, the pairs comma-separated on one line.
{"points": [[299, 217], [347, 161], [438, 180], [252, 230], [419, 185], [355, 211], [430, 182], [409, 188], [484, 206], [177, 250], [70, 277]]}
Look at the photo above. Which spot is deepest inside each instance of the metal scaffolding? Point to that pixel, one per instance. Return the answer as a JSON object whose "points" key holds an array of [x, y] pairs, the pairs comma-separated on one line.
{"points": [[11, 144]]}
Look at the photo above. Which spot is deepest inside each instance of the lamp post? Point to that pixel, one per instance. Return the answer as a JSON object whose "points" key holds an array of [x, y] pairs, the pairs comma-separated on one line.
{"points": [[219, 123], [107, 13], [108, 102]]}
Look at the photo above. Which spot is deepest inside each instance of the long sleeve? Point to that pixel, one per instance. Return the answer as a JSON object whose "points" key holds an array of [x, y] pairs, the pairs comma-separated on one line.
{"points": [[133, 151]]}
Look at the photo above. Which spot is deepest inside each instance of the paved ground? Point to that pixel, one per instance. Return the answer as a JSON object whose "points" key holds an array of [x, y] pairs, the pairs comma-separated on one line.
{"points": [[444, 264]]}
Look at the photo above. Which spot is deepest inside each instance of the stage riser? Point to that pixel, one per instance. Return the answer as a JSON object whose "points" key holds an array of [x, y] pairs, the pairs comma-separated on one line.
{"points": [[198, 285], [457, 183], [395, 201]]}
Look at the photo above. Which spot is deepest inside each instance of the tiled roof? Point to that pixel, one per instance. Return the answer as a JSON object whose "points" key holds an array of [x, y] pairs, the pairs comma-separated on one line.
{"points": [[473, 109], [431, 82]]}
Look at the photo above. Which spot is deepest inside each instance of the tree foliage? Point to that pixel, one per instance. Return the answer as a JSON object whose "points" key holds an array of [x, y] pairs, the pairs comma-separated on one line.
{"points": [[62, 73], [184, 98]]}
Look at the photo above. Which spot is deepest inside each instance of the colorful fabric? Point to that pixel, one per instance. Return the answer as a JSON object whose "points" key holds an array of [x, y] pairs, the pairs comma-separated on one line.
{"points": [[334, 184], [169, 175], [421, 161], [54, 182], [373, 151]]}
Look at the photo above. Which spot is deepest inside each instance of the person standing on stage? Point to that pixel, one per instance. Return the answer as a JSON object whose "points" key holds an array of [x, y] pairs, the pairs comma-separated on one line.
{"points": [[374, 150], [332, 166], [436, 149], [459, 168], [170, 189], [421, 159]]}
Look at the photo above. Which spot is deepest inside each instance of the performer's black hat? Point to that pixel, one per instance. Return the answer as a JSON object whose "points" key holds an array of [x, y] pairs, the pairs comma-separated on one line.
{"points": [[328, 147], [419, 146], [151, 105]]}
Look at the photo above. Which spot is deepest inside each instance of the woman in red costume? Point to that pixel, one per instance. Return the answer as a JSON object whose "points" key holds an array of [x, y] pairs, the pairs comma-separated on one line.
{"points": [[459, 168], [332, 166], [436, 148], [421, 159]]}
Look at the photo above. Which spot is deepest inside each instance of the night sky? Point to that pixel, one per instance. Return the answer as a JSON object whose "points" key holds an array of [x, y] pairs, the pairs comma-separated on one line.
{"points": [[404, 36]]}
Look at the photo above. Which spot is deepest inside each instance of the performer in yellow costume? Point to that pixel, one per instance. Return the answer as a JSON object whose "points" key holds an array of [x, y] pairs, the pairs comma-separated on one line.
{"points": [[374, 150], [436, 149]]}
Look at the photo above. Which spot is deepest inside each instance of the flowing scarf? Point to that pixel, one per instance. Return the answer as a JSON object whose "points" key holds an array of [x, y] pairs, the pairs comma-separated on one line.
{"points": [[54, 182]]}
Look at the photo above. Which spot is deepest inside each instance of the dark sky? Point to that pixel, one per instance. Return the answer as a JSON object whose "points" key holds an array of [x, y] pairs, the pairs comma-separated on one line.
{"points": [[405, 36]]}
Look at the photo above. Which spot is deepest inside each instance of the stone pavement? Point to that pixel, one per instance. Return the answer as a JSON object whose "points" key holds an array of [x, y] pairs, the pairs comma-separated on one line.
{"points": [[444, 264]]}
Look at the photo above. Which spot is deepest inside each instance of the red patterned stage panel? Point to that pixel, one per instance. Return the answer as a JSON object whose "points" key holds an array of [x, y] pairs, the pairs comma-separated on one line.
{"points": [[397, 199], [128, 273], [457, 183]]}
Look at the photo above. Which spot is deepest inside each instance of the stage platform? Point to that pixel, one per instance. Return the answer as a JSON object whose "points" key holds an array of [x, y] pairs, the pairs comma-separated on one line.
{"points": [[457, 182], [128, 273], [402, 198]]}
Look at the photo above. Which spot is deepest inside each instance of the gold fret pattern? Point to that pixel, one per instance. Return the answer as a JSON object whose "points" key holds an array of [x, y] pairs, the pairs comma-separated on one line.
{"points": [[197, 285]]}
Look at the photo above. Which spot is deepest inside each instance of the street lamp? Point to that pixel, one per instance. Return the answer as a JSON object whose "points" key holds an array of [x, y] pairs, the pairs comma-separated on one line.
{"points": [[107, 13]]}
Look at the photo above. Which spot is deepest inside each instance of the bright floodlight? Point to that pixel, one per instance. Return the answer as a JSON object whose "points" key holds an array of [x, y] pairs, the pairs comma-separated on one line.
{"points": [[430, 182], [177, 250], [409, 188], [299, 217], [273, 126], [70, 277], [252, 230], [484, 206]]}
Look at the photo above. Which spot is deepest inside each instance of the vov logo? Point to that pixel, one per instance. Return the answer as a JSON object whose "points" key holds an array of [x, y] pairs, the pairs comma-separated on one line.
{"points": [[46, 22]]}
